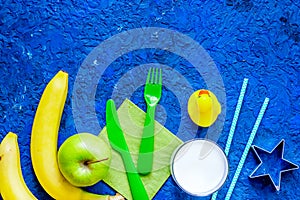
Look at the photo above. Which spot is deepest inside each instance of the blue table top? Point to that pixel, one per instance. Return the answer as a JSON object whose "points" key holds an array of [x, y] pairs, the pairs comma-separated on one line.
{"points": [[259, 40]]}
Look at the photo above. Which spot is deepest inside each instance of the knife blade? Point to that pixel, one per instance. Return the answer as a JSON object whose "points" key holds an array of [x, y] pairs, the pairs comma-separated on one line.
{"points": [[118, 143]]}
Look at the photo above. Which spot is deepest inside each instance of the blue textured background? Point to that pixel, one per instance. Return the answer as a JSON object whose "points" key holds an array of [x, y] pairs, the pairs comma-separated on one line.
{"points": [[258, 39]]}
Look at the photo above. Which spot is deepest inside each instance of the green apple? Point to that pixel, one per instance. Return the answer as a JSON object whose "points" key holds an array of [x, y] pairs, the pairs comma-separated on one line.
{"points": [[84, 159]]}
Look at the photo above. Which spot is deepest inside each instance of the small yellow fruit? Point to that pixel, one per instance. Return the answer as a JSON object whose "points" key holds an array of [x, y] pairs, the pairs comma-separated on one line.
{"points": [[203, 108]]}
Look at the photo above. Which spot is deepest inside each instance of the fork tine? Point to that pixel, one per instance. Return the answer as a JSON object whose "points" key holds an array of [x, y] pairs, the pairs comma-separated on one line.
{"points": [[148, 76], [156, 76], [152, 75]]}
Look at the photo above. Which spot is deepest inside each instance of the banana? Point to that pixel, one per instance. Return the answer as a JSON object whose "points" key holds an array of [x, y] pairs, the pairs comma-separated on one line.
{"points": [[43, 145], [13, 186]]}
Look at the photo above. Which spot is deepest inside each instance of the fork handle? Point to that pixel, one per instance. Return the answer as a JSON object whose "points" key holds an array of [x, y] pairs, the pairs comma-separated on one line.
{"points": [[145, 159]]}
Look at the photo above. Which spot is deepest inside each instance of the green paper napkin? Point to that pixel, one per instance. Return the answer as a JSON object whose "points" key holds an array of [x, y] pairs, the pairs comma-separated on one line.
{"points": [[132, 121]]}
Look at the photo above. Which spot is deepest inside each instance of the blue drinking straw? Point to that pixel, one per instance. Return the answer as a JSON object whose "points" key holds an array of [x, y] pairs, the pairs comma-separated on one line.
{"points": [[247, 148], [234, 122]]}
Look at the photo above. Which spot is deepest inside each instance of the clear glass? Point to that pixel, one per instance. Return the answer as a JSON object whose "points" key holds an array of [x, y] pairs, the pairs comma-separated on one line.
{"points": [[199, 167]]}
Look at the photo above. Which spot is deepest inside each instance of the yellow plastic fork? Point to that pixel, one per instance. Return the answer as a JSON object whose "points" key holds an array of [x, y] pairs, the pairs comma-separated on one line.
{"points": [[152, 95]]}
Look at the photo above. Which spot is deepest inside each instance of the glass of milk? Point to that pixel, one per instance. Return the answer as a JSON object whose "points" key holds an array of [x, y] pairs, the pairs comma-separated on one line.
{"points": [[199, 167]]}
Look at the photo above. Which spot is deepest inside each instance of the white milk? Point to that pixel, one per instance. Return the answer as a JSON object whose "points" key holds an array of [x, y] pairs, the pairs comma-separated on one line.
{"points": [[199, 167]]}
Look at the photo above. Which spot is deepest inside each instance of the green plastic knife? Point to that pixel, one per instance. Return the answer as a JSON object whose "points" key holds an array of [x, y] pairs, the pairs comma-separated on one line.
{"points": [[118, 143]]}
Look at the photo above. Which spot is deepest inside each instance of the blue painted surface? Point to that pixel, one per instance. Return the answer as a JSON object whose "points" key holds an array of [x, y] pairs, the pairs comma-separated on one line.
{"points": [[259, 40]]}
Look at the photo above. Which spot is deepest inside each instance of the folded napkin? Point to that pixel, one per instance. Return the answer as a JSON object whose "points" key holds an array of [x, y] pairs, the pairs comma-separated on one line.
{"points": [[132, 122]]}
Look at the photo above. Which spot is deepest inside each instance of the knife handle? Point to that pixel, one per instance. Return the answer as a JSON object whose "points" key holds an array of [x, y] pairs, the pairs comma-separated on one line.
{"points": [[145, 159], [137, 188]]}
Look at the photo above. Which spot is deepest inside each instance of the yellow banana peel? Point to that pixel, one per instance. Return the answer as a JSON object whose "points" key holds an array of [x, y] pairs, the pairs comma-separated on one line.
{"points": [[44, 143], [13, 186]]}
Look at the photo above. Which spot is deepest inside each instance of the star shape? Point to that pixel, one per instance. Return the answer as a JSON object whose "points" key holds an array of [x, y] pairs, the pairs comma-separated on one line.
{"points": [[272, 164]]}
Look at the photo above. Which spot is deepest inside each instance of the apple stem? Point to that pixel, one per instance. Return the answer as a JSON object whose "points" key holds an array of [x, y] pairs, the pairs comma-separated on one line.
{"points": [[96, 161]]}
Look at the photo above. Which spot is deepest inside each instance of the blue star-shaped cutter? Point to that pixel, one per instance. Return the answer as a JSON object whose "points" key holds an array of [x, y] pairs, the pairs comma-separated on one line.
{"points": [[272, 164]]}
